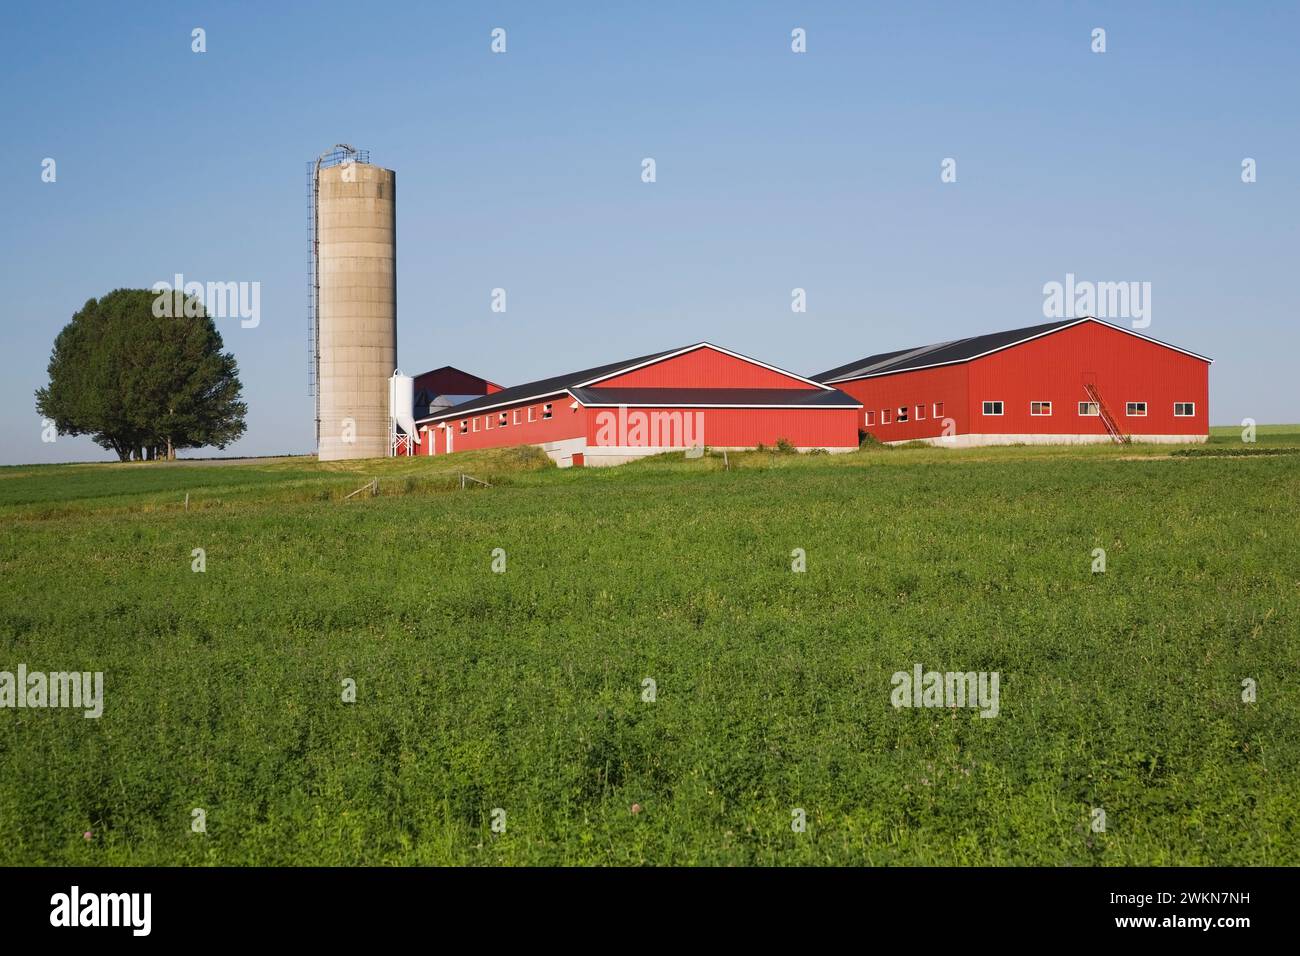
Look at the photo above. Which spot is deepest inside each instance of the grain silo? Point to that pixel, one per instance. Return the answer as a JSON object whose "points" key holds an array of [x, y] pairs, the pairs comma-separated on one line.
{"points": [[353, 298]]}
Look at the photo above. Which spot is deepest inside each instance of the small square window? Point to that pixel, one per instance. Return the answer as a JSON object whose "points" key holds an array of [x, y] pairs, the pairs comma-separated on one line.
{"points": [[1184, 409], [1135, 409], [1040, 408], [920, 413], [546, 410], [1089, 408], [869, 419], [902, 414], [992, 408], [884, 416], [938, 410]]}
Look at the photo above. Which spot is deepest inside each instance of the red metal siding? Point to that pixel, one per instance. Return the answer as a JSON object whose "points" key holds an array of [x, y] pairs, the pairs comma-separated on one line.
{"points": [[743, 427], [1053, 368], [1123, 367], [703, 368], [564, 422], [946, 385], [452, 381]]}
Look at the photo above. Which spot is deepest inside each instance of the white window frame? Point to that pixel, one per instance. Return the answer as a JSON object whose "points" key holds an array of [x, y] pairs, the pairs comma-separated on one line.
{"points": [[885, 417], [475, 420], [464, 426], [1191, 414], [920, 413], [902, 415], [869, 418], [530, 413], [1095, 413], [936, 410], [487, 423], [516, 416], [984, 407], [1040, 414], [1133, 414], [546, 410], [503, 420]]}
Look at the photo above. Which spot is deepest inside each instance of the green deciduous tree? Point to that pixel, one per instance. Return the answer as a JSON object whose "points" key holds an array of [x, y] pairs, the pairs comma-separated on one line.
{"points": [[141, 384]]}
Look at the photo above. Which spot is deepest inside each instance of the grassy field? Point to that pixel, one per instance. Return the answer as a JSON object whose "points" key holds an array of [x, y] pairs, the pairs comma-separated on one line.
{"points": [[522, 690]]}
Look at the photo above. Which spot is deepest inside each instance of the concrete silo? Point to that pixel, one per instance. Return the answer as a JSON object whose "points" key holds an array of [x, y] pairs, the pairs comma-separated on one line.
{"points": [[355, 279]]}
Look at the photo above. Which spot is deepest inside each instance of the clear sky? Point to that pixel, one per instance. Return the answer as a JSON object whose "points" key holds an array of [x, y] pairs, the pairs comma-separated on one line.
{"points": [[775, 171]]}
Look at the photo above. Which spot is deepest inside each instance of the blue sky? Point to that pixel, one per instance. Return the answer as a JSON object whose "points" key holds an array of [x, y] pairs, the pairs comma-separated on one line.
{"points": [[775, 170]]}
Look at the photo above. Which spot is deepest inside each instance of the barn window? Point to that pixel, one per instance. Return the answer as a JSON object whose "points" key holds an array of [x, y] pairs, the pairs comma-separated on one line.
{"points": [[1089, 408], [530, 413], [920, 413], [870, 418], [1184, 409], [884, 416], [992, 408], [938, 410], [464, 426], [1135, 409], [902, 413], [503, 420], [487, 423], [475, 423], [516, 416], [1040, 408], [546, 410]]}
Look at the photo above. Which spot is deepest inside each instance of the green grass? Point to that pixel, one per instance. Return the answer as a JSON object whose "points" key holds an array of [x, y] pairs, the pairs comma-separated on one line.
{"points": [[522, 690]]}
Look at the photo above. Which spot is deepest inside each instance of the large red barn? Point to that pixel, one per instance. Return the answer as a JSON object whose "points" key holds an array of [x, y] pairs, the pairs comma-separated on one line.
{"points": [[682, 398], [1072, 381]]}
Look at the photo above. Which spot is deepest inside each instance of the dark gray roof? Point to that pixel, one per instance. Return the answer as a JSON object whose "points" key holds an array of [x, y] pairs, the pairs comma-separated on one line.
{"points": [[962, 350], [941, 353], [727, 397], [545, 386]]}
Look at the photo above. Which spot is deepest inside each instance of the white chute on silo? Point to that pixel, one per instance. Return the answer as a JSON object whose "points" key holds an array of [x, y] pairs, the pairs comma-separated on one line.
{"points": [[401, 404]]}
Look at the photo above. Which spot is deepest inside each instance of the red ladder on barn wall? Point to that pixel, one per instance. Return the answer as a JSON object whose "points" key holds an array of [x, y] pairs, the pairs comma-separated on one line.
{"points": [[1107, 419]]}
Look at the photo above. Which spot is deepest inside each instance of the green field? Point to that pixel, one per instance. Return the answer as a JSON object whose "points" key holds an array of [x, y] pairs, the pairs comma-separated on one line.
{"points": [[522, 690]]}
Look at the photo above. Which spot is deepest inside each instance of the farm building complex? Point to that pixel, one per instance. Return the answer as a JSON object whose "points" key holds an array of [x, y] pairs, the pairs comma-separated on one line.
{"points": [[682, 398], [1076, 380], [1072, 381]]}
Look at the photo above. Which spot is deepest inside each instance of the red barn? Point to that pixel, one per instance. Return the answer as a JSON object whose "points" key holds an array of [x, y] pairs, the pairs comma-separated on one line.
{"points": [[1072, 381], [682, 398]]}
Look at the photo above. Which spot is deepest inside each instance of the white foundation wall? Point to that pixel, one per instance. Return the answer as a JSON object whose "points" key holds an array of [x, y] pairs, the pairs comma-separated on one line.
{"points": [[598, 456], [975, 441]]}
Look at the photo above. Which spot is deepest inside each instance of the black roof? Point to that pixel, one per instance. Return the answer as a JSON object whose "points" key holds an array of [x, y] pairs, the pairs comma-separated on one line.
{"points": [[728, 397], [958, 350], [962, 350], [545, 386]]}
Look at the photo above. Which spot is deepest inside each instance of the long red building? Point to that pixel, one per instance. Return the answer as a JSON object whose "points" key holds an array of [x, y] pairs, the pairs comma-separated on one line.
{"points": [[682, 398], [1072, 381]]}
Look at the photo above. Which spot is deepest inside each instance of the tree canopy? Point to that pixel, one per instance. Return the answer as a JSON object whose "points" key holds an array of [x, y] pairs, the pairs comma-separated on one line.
{"points": [[140, 384]]}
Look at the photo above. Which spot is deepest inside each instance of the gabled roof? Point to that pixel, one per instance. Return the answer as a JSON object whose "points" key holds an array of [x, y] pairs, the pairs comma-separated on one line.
{"points": [[964, 350], [547, 386], [573, 382], [453, 368], [714, 397]]}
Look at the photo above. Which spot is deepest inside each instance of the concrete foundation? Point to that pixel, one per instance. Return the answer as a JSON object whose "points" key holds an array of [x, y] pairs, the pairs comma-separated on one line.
{"points": [[975, 441]]}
